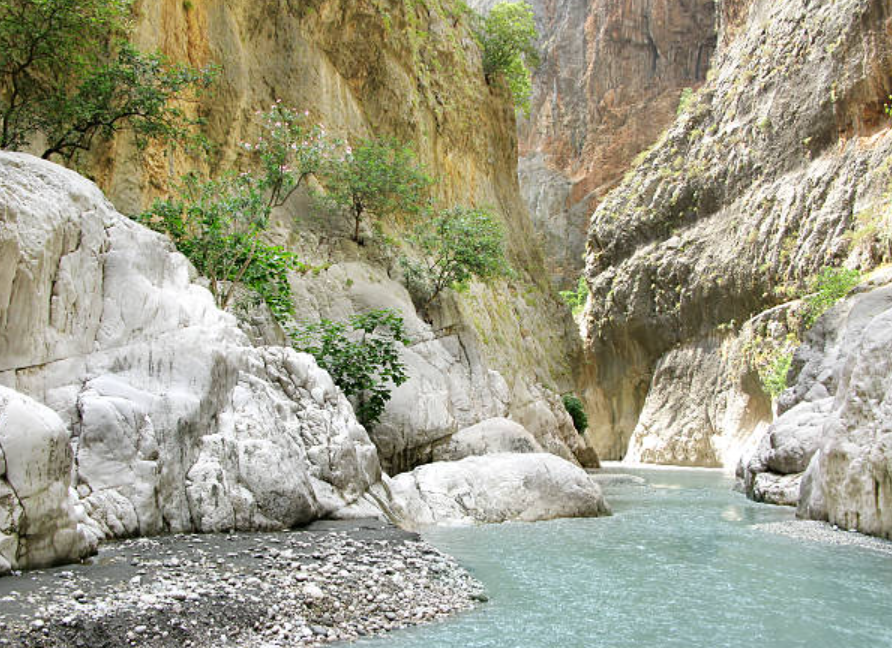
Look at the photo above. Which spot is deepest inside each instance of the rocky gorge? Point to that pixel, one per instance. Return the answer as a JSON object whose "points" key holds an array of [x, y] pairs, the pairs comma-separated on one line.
{"points": [[710, 160]]}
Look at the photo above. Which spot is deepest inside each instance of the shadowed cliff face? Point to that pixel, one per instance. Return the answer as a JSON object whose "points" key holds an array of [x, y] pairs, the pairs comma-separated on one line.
{"points": [[756, 187], [608, 85]]}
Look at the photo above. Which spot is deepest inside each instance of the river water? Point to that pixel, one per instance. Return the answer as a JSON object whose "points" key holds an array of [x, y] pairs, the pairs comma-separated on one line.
{"points": [[683, 562]]}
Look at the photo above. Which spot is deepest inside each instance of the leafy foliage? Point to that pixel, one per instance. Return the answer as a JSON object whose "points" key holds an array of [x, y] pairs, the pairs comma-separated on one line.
{"points": [[774, 376], [361, 356], [219, 224], [459, 244], [831, 285], [576, 299], [68, 74], [379, 178], [576, 411], [289, 151], [508, 35]]}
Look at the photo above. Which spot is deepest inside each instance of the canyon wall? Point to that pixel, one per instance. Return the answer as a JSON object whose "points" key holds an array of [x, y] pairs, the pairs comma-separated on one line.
{"points": [[609, 82], [383, 68], [778, 164]]}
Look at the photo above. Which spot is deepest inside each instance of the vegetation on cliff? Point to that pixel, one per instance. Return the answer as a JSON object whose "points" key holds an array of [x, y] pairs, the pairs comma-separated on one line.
{"points": [[69, 78]]}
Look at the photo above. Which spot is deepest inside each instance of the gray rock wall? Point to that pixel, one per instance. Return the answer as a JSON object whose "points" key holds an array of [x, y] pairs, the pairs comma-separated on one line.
{"points": [[755, 188], [830, 451]]}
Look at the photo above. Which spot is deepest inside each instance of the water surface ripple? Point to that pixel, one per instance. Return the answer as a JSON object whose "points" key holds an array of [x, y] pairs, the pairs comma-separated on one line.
{"points": [[680, 564]]}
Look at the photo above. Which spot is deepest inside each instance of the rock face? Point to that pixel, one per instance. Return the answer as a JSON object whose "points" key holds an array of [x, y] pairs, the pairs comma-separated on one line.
{"points": [[677, 426], [178, 422], [835, 428], [496, 488], [755, 188], [497, 435], [383, 68], [608, 84], [39, 513]]}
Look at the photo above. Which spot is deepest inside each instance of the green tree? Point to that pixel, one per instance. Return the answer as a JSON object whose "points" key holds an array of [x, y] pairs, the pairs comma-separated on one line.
{"points": [[378, 178], [576, 299], [459, 244], [361, 355], [509, 39], [68, 76], [220, 224]]}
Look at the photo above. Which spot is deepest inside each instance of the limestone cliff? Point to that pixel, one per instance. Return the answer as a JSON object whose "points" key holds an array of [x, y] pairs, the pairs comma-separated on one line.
{"points": [[413, 71], [760, 183], [828, 451], [608, 85]]}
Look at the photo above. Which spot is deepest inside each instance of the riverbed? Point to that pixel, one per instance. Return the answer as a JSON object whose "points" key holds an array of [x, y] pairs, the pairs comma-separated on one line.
{"points": [[684, 562]]}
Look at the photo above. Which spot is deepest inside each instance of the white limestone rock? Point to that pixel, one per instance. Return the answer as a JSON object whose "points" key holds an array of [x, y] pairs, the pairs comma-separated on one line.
{"points": [[180, 424], [495, 435], [38, 516], [495, 488], [834, 437], [450, 385]]}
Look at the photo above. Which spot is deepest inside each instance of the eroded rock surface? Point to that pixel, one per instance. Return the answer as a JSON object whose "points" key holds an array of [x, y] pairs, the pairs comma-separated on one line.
{"points": [[496, 488], [608, 84], [830, 451], [39, 513], [179, 423], [492, 436], [754, 189]]}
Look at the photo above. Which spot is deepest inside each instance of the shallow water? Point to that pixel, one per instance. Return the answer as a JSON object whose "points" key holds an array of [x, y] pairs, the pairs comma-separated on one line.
{"points": [[679, 564]]}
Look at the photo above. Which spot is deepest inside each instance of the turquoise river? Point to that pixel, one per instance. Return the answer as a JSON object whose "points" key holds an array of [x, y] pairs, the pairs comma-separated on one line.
{"points": [[683, 562]]}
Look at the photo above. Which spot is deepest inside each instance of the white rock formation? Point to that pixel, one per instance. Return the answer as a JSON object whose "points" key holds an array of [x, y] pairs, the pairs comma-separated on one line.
{"points": [[39, 512], [495, 435], [179, 423], [495, 488], [450, 386], [834, 435]]}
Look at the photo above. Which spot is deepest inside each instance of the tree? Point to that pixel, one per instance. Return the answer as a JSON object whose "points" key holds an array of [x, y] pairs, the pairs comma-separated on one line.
{"points": [[361, 356], [459, 244], [68, 75], [509, 39], [378, 178], [220, 224]]}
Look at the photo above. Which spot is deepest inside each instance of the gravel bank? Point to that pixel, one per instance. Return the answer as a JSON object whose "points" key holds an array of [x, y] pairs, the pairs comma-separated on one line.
{"points": [[813, 531], [333, 581]]}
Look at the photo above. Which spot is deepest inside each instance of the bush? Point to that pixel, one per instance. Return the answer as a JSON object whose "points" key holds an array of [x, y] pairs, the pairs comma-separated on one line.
{"points": [[379, 178], [774, 377], [459, 244], [68, 74], [361, 355], [831, 285], [576, 299], [219, 224], [508, 35], [576, 411], [684, 101]]}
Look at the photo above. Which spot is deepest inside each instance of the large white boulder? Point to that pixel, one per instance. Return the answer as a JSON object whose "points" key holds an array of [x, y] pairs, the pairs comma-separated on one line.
{"points": [[495, 488], [39, 513], [492, 436], [179, 423]]}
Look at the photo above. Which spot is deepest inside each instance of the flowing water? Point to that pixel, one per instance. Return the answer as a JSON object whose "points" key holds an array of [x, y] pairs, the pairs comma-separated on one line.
{"points": [[682, 563]]}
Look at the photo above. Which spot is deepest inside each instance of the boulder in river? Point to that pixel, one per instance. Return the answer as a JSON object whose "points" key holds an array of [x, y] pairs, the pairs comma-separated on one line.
{"points": [[496, 488]]}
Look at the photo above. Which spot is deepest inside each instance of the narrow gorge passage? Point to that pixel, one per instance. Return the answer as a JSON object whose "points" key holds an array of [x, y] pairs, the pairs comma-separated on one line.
{"points": [[684, 561]]}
